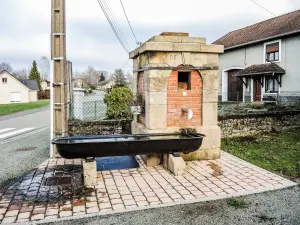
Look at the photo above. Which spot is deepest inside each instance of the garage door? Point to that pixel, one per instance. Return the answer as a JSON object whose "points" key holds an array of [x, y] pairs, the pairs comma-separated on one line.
{"points": [[15, 97]]}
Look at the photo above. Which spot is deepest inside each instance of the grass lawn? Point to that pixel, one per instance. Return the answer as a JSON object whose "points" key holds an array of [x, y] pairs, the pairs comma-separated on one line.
{"points": [[18, 107], [278, 152]]}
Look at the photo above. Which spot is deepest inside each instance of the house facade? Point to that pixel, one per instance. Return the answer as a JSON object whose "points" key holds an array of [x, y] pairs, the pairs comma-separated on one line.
{"points": [[45, 85], [13, 90], [261, 61]]}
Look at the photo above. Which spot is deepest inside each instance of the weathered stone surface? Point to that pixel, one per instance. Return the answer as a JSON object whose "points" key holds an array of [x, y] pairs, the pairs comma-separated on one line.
{"points": [[187, 47], [212, 48], [210, 114], [156, 97], [90, 173], [151, 160], [200, 40], [254, 124], [176, 165], [209, 79], [162, 38], [156, 116]]}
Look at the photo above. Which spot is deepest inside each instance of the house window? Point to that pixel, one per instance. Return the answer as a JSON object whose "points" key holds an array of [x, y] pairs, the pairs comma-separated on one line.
{"points": [[272, 51], [272, 85], [4, 80], [184, 81]]}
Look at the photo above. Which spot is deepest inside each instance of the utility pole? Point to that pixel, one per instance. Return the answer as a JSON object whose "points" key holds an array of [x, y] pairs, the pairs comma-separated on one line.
{"points": [[59, 124]]}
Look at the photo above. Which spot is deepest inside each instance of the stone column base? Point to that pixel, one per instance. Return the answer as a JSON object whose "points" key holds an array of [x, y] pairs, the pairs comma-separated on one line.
{"points": [[151, 160], [90, 173], [175, 165]]}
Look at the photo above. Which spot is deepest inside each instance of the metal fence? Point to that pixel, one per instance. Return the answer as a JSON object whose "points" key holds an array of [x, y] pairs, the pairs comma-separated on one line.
{"points": [[244, 103], [88, 106]]}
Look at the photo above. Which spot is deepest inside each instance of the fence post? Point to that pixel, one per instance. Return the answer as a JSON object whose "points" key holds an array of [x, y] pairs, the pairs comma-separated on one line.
{"points": [[95, 109]]}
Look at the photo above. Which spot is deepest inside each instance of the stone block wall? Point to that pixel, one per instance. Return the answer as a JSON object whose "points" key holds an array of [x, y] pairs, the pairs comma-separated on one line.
{"points": [[258, 123], [179, 98]]}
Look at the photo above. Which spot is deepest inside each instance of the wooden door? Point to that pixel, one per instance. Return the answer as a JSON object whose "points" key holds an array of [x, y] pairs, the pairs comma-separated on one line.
{"points": [[235, 87], [257, 90]]}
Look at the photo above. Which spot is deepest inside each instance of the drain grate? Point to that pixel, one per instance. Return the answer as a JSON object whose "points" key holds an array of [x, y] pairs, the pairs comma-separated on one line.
{"points": [[54, 181]]}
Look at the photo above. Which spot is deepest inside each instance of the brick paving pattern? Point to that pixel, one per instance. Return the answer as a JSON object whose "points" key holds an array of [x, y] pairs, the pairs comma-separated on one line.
{"points": [[31, 200]]}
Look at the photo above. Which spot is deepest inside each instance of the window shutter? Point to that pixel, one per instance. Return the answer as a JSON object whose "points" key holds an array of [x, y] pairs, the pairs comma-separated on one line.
{"points": [[272, 48]]}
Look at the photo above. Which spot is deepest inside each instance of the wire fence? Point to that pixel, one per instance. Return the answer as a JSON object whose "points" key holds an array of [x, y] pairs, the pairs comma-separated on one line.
{"points": [[243, 103], [88, 106]]}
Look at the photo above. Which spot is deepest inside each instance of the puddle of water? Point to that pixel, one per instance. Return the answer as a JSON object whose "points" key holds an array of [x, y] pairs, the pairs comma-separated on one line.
{"points": [[217, 170], [116, 163]]}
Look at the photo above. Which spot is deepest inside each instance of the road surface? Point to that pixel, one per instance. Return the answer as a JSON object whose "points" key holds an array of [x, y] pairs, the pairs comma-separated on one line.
{"points": [[24, 144]]}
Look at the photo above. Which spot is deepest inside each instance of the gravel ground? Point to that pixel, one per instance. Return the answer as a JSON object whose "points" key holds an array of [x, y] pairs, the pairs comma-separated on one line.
{"points": [[21, 155], [277, 208]]}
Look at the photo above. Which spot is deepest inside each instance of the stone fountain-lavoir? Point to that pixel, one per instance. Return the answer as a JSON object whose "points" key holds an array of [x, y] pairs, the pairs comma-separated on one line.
{"points": [[176, 76]]}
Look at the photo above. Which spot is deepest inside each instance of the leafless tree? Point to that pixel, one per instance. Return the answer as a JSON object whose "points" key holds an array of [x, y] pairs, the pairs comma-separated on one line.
{"points": [[44, 67], [6, 66], [21, 74]]}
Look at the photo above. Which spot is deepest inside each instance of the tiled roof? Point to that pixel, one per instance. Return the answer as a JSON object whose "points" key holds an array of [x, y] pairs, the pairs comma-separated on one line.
{"points": [[31, 84], [274, 27], [267, 68]]}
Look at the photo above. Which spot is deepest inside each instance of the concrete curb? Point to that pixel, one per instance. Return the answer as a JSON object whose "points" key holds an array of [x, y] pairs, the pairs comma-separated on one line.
{"points": [[23, 113], [185, 202]]}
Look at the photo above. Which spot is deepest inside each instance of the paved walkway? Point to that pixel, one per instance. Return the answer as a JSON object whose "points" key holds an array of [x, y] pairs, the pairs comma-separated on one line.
{"points": [[132, 189]]}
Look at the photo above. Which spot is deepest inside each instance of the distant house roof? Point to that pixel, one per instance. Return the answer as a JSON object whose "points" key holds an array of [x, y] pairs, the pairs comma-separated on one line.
{"points": [[31, 84], [269, 29], [261, 69]]}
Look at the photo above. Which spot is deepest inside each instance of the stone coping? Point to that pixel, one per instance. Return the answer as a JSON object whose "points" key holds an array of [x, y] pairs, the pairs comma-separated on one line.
{"points": [[176, 47], [117, 191]]}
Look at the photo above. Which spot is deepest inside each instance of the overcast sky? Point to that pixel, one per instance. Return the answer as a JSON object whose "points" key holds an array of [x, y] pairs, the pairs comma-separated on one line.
{"points": [[25, 26]]}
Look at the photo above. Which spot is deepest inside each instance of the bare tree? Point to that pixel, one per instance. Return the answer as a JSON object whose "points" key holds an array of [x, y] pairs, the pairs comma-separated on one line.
{"points": [[21, 74], [6, 66], [44, 67], [119, 77]]}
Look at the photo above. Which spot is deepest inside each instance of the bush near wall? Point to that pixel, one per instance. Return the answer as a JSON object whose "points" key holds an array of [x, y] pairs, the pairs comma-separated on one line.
{"points": [[44, 95], [118, 103]]}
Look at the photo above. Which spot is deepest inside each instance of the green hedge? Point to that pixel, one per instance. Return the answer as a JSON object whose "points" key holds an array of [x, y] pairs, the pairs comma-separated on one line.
{"points": [[118, 103]]}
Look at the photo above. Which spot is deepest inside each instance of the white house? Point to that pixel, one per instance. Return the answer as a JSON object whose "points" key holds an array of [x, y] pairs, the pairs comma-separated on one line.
{"points": [[45, 85], [13, 90], [261, 61]]}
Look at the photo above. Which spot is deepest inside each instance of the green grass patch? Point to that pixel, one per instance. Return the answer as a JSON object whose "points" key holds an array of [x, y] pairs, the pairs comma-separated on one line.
{"points": [[18, 107], [237, 203], [278, 152]]}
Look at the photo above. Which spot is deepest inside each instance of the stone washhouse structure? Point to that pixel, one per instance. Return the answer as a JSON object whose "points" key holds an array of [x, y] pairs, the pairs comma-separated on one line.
{"points": [[176, 81]]}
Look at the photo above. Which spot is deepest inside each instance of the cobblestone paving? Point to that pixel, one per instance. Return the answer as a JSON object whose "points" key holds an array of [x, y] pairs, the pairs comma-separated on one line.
{"points": [[31, 199]]}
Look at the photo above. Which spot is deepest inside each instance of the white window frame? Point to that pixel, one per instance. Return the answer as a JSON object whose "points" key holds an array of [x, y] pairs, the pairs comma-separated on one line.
{"points": [[265, 48]]}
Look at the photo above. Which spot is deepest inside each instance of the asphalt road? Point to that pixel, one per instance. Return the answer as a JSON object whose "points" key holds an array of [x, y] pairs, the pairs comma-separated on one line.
{"points": [[32, 118], [22, 151], [271, 208]]}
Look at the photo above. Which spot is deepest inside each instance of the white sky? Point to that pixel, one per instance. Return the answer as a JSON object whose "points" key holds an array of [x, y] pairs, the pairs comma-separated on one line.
{"points": [[25, 26]]}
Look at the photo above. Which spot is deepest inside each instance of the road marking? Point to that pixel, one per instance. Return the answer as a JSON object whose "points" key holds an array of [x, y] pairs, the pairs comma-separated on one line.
{"points": [[16, 132], [6, 129], [17, 137]]}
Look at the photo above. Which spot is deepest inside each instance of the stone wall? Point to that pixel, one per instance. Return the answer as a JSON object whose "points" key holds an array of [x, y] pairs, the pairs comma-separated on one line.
{"points": [[84, 128], [239, 125]]}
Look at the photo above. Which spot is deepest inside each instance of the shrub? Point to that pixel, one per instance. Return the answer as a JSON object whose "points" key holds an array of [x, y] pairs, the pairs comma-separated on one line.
{"points": [[118, 103], [43, 95]]}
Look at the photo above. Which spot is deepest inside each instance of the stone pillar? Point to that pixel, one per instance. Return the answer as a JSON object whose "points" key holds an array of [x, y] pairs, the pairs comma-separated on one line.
{"points": [[171, 55], [90, 172]]}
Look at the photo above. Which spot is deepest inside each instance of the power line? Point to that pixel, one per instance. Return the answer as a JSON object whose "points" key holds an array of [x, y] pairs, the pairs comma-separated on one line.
{"points": [[112, 14], [262, 7], [129, 23], [112, 25]]}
